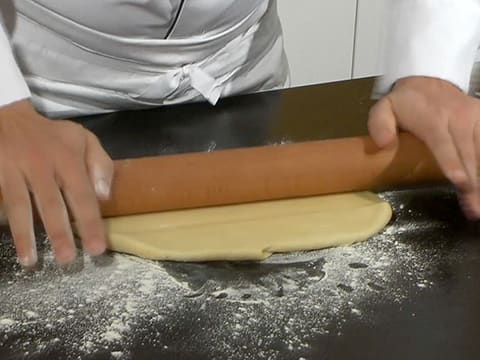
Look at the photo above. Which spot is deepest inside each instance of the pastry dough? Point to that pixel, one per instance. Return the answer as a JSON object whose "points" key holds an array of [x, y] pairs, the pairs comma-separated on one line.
{"points": [[250, 231]]}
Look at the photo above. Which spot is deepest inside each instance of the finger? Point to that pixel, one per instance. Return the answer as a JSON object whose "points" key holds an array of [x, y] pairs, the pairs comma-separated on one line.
{"points": [[470, 202], [100, 167], [3, 215], [462, 134], [382, 124], [83, 204], [444, 150], [476, 141], [53, 213], [18, 208]]}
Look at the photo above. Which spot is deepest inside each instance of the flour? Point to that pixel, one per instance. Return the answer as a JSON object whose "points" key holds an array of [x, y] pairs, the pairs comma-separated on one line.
{"points": [[117, 354], [5, 322], [212, 145], [116, 303]]}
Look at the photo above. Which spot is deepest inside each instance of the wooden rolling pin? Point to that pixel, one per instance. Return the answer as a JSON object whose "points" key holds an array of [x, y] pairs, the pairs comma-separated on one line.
{"points": [[264, 173]]}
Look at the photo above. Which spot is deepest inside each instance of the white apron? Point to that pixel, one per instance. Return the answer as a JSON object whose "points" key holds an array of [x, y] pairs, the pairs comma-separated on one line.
{"points": [[100, 56]]}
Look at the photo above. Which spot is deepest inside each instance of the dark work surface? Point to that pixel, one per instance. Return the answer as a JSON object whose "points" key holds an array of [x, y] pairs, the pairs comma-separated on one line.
{"points": [[426, 307], [308, 113]]}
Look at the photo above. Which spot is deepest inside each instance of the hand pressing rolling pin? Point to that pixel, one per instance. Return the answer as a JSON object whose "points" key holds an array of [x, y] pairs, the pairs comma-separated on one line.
{"points": [[430, 54], [61, 164]]}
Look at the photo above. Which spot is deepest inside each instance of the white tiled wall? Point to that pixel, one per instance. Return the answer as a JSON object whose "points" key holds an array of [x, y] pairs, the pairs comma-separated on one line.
{"points": [[329, 40]]}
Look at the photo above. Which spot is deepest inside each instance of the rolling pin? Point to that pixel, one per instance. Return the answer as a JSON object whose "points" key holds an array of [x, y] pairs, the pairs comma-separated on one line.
{"points": [[193, 180]]}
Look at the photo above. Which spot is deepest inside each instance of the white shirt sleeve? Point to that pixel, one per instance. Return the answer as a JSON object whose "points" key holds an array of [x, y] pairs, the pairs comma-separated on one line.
{"points": [[12, 84], [434, 38]]}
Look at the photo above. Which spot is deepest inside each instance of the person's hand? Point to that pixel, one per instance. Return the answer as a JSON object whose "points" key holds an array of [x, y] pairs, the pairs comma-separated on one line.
{"points": [[446, 120], [55, 165]]}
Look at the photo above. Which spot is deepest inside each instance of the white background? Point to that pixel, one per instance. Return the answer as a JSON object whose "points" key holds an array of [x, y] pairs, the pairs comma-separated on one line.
{"points": [[330, 40]]}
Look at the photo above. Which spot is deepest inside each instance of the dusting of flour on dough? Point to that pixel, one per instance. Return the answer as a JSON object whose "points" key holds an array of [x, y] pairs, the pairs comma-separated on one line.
{"points": [[114, 304]]}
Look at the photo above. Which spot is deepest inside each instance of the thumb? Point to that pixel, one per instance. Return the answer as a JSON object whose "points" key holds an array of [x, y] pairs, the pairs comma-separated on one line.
{"points": [[382, 124], [100, 167]]}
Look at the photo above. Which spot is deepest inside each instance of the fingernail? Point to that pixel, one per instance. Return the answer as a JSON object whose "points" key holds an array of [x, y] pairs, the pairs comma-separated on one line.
{"points": [[385, 137], [28, 261], [469, 207], [96, 248], [458, 177], [102, 188], [65, 257]]}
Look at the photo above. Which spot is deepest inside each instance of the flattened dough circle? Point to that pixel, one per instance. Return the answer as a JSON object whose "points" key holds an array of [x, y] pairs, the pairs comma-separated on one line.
{"points": [[250, 231]]}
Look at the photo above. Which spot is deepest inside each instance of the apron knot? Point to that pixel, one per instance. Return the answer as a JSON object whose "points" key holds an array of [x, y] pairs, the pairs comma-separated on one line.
{"points": [[206, 85]]}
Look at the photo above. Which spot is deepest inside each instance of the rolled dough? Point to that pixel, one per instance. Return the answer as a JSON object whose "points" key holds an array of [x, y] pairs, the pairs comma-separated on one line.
{"points": [[250, 231]]}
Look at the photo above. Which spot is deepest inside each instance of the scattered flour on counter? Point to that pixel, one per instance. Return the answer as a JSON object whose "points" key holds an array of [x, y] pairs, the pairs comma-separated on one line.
{"points": [[86, 309], [6, 322], [281, 141], [212, 145], [113, 304], [117, 354]]}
